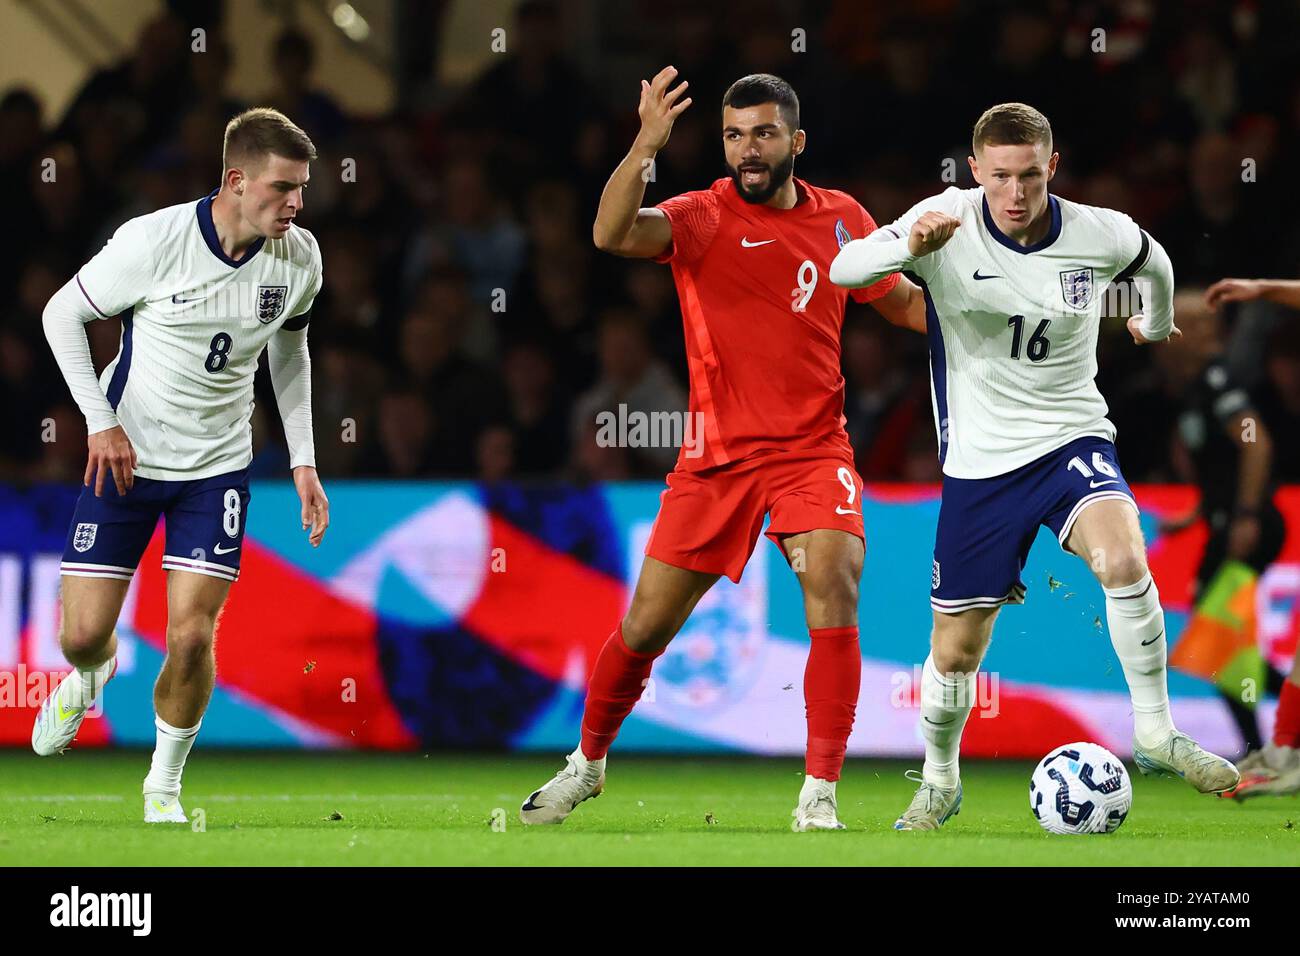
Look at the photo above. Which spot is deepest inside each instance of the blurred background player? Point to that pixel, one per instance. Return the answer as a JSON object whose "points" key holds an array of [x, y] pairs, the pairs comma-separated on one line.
{"points": [[749, 256], [1226, 449], [1273, 768], [206, 287], [1012, 278]]}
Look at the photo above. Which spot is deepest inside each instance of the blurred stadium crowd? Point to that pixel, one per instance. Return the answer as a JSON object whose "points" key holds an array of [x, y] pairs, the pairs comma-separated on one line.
{"points": [[468, 327]]}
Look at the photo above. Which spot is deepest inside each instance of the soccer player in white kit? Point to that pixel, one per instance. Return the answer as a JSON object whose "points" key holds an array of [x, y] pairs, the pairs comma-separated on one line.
{"points": [[1013, 279], [205, 287]]}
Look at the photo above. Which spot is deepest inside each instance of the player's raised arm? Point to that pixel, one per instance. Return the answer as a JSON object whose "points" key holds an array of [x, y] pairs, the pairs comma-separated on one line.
{"points": [[922, 230], [622, 226]]}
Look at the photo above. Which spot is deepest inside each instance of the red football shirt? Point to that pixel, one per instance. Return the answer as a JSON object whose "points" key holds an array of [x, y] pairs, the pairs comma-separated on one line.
{"points": [[762, 317]]}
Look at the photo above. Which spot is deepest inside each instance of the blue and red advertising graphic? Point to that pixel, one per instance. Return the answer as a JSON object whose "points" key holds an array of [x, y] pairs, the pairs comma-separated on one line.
{"points": [[463, 616]]}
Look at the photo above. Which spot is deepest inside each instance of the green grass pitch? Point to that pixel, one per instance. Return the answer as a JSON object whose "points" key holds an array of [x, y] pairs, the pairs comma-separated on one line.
{"points": [[84, 809]]}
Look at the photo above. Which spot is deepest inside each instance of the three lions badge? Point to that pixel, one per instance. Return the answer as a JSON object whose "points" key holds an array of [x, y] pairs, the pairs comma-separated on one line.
{"points": [[83, 539], [271, 300], [1076, 288]]}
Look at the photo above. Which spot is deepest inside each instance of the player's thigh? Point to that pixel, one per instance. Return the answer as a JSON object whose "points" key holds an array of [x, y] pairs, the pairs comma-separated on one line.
{"points": [[106, 538], [194, 603], [958, 641], [91, 607], [828, 565], [1108, 536], [664, 598], [1094, 514]]}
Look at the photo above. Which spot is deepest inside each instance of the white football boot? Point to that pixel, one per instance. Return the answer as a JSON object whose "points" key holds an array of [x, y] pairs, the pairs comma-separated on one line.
{"points": [[1181, 756], [581, 779], [163, 808], [931, 806], [816, 809], [62, 712]]}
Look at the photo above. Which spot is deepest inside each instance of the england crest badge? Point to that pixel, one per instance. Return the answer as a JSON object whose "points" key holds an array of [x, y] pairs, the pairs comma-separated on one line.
{"points": [[83, 539], [270, 302], [1076, 288]]}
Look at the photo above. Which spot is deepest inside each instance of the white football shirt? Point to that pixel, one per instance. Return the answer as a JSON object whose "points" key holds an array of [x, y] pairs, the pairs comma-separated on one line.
{"points": [[182, 382], [1013, 329]]}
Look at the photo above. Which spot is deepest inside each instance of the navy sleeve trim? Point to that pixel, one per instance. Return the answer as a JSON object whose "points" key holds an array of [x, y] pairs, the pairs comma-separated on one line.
{"points": [[1139, 260], [297, 323], [100, 311]]}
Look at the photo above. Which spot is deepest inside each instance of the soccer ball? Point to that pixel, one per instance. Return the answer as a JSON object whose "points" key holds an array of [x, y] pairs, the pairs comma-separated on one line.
{"points": [[1080, 788]]}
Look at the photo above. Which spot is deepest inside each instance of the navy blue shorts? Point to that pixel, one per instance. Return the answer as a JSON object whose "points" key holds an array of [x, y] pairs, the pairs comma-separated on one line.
{"points": [[987, 525], [205, 527]]}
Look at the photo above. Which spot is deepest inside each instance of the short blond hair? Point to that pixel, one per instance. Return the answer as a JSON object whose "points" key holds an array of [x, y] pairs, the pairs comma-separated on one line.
{"points": [[1011, 124], [260, 132]]}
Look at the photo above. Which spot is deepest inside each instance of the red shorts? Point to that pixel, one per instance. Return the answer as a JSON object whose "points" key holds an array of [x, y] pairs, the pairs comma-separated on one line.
{"points": [[709, 520]]}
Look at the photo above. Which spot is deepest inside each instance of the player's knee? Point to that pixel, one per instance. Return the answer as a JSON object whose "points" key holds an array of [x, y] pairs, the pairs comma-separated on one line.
{"points": [[957, 644], [833, 590], [189, 644], [955, 659], [1118, 567], [647, 632], [83, 642]]}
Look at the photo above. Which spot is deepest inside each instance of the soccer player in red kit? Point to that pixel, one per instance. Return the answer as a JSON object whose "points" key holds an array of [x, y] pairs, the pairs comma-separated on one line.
{"points": [[750, 257]]}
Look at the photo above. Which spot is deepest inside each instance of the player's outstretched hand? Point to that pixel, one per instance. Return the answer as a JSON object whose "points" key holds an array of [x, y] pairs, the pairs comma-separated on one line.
{"points": [[110, 452], [1233, 290], [930, 232], [315, 506], [659, 108], [1139, 339]]}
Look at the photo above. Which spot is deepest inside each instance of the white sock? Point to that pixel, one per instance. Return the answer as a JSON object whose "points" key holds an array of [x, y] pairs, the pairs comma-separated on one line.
{"points": [[812, 784], [586, 766], [169, 755], [946, 701], [86, 683], [1137, 632]]}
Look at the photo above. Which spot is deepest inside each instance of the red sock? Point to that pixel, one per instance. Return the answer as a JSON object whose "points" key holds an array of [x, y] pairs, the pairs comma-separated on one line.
{"points": [[830, 692], [616, 684], [1286, 727]]}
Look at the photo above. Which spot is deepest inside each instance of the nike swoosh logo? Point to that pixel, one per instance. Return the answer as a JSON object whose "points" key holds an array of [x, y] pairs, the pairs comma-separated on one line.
{"points": [[216, 549], [1154, 639], [178, 301], [1098, 484], [938, 723], [845, 511], [979, 278], [750, 245]]}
